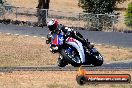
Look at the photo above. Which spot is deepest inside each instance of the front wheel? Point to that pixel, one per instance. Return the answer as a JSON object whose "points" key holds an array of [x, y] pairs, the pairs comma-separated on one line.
{"points": [[61, 62], [74, 61], [76, 65]]}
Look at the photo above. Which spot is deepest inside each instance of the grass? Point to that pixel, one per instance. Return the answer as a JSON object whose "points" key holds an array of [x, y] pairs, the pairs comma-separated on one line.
{"points": [[115, 53], [32, 51], [50, 79], [57, 5], [23, 3], [71, 23], [24, 51]]}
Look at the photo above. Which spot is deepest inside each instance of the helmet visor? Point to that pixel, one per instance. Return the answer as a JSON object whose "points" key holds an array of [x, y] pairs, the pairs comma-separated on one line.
{"points": [[51, 27]]}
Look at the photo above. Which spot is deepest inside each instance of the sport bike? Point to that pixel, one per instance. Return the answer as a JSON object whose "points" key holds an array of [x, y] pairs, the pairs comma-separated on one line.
{"points": [[72, 51]]}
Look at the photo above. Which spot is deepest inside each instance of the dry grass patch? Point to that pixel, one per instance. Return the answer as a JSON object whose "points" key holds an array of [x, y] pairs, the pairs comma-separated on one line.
{"points": [[23, 3], [24, 51], [71, 23], [59, 79], [114, 53], [56, 5], [31, 51], [65, 5]]}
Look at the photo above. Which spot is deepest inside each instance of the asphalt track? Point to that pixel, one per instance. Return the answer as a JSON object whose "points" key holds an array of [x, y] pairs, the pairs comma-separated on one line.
{"points": [[112, 38]]}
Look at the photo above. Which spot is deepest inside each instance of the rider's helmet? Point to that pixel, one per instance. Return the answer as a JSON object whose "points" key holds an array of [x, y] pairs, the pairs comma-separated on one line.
{"points": [[52, 25]]}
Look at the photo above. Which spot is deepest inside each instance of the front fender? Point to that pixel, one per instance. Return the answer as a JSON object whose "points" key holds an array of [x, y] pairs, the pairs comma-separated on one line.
{"points": [[78, 46]]}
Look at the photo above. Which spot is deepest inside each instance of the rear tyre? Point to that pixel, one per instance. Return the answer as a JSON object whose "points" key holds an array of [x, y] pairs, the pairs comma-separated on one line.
{"points": [[98, 63], [97, 60]]}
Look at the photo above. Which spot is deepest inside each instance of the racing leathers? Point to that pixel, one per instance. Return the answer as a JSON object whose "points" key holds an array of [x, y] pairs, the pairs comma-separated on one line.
{"points": [[75, 34]]}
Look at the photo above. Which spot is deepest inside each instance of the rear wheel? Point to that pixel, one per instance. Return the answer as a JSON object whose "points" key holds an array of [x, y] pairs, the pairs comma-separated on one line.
{"points": [[98, 63], [97, 60]]}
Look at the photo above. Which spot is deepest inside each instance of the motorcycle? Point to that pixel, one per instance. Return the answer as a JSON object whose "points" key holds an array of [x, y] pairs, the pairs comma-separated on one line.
{"points": [[72, 51]]}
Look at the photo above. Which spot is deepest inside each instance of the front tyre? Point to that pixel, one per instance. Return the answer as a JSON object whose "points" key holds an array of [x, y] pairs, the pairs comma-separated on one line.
{"points": [[61, 62], [70, 59], [76, 65]]}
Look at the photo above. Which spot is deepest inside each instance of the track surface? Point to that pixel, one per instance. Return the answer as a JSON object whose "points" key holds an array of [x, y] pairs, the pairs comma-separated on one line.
{"points": [[112, 38]]}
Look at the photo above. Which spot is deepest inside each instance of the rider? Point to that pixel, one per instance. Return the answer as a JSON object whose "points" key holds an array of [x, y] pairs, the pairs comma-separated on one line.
{"points": [[54, 27]]}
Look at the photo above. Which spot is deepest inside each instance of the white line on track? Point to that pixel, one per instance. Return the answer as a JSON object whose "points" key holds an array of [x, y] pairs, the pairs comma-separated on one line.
{"points": [[26, 35], [99, 44], [8, 33], [35, 36], [43, 37], [16, 34], [107, 63]]}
